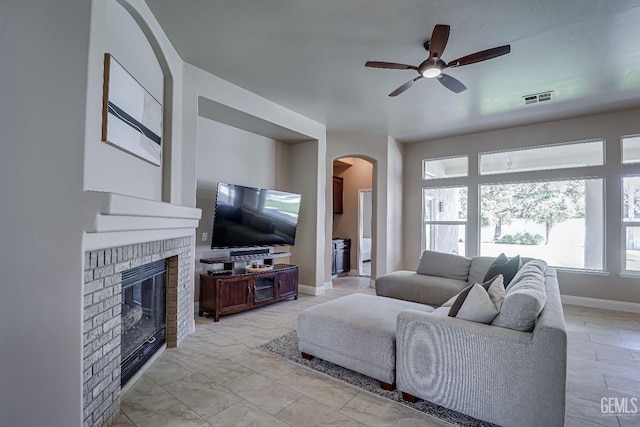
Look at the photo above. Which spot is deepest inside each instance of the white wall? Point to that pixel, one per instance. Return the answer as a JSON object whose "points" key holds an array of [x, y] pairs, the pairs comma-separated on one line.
{"points": [[366, 212], [200, 84], [51, 85], [611, 126], [231, 155], [379, 149], [309, 180], [306, 167], [106, 167], [395, 187], [357, 177], [43, 81]]}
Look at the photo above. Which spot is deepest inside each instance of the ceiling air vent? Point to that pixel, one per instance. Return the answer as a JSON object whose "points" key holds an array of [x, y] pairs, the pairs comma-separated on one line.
{"points": [[538, 97]]}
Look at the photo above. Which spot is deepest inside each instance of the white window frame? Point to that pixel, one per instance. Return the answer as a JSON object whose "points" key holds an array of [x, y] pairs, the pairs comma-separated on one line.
{"points": [[625, 224], [425, 222], [539, 147], [425, 173], [622, 139], [554, 179]]}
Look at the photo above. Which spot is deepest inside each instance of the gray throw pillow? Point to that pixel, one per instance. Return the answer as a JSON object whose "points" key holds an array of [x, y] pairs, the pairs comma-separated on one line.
{"points": [[441, 264], [505, 266]]}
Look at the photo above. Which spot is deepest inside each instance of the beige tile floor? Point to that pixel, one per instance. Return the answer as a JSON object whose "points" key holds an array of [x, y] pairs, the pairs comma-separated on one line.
{"points": [[218, 377]]}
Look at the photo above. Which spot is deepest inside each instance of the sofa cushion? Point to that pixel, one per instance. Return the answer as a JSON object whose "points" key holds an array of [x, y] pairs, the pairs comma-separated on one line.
{"points": [[534, 269], [444, 265], [505, 266], [524, 298], [479, 267], [411, 286]]}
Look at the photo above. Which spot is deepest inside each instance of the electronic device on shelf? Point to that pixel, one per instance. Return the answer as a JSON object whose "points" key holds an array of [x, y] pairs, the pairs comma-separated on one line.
{"points": [[214, 273], [247, 217]]}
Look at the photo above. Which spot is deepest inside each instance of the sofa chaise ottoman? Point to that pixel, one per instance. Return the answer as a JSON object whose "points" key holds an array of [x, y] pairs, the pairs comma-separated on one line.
{"points": [[357, 332]]}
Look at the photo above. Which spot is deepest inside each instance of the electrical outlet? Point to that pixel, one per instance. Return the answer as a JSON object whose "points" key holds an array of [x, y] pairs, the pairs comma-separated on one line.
{"points": [[205, 236]]}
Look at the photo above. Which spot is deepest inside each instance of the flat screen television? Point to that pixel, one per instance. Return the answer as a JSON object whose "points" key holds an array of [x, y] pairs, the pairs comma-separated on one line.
{"points": [[253, 217]]}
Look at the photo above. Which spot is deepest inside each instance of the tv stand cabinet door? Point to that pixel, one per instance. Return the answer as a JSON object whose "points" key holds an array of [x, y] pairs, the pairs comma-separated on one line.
{"points": [[234, 295], [207, 295], [288, 283]]}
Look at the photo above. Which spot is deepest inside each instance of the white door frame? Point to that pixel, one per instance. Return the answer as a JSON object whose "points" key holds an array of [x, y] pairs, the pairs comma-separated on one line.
{"points": [[360, 227]]}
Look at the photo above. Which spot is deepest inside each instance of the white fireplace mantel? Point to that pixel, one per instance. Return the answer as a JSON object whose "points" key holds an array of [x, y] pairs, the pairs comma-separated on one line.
{"points": [[114, 219]]}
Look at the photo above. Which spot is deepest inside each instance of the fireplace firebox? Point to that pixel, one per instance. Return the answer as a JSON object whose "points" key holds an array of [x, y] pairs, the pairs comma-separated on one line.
{"points": [[143, 313]]}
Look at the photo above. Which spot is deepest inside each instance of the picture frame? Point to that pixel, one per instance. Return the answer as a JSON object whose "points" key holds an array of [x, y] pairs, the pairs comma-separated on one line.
{"points": [[131, 116]]}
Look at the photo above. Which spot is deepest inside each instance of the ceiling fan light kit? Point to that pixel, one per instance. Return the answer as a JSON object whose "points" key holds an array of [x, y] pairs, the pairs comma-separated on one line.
{"points": [[431, 71], [434, 66]]}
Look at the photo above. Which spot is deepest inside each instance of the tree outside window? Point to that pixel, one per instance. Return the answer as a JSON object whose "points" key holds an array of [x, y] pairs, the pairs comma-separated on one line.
{"points": [[559, 221]]}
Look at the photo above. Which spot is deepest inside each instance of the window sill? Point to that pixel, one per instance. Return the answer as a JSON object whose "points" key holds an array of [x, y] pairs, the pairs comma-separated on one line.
{"points": [[630, 275], [583, 271]]}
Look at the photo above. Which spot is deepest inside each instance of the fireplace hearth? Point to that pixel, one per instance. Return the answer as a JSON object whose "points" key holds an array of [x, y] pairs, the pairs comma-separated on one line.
{"points": [[143, 313]]}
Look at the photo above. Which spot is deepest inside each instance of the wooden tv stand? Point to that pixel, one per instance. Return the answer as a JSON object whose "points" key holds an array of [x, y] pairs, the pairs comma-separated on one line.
{"points": [[228, 293]]}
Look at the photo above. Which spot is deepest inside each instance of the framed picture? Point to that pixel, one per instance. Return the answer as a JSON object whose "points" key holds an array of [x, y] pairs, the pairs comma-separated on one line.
{"points": [[131, 117]]}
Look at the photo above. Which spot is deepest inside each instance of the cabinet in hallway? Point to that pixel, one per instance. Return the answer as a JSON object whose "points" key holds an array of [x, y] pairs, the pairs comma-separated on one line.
{"points": [[341, 256]]}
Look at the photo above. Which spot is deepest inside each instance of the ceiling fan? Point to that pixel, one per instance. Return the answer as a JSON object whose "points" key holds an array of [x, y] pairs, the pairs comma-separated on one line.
{"points": [[434, 66]]}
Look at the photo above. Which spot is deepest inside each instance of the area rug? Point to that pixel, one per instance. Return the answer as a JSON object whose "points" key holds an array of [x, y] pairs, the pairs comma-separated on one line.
{"points": [[287, 347]]}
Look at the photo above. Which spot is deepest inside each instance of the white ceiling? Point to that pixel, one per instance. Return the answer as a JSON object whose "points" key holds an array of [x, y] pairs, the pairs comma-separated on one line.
{"points": [[309, 55]]}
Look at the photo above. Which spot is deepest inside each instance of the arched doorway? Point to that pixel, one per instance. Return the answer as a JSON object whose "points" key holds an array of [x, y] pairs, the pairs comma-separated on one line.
{"points": [[352, 215]]}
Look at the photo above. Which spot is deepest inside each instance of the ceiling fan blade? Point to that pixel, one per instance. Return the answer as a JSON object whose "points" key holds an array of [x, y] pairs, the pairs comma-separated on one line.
{"points": [[389, 65], [404, 87], [452, 84], [480, 56], [438, 42]]}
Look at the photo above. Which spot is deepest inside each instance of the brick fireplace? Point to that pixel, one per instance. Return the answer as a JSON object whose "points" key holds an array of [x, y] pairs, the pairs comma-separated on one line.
{"points": [[102, 315]]}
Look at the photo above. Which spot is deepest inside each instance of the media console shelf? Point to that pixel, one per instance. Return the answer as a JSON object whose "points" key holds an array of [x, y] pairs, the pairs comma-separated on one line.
{"points": [[226, 293], [229, 262]]}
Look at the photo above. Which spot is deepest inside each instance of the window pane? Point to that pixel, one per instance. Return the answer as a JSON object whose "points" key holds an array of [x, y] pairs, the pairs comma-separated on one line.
{"points": [[561, 222], [633, 249], [570, 155], [631, 149], [446, 168], [445, 204], [631, 198], [445, 238]]}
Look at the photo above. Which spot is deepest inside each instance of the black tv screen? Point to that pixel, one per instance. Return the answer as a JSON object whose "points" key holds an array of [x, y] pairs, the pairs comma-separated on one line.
{"points": [[250, 217]]}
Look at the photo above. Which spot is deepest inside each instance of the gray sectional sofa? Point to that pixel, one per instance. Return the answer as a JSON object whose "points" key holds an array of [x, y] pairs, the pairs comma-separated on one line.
{"points": [[509, 370], [438, 277]]}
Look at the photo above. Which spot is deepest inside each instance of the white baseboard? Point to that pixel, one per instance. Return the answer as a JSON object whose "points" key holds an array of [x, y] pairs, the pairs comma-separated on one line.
{"points": [[606, 304], [372, 283], [328, 285], [311, 290]]}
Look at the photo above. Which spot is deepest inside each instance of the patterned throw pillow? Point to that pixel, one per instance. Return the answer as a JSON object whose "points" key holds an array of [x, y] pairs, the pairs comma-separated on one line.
{"points": [[478, 302]]}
